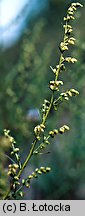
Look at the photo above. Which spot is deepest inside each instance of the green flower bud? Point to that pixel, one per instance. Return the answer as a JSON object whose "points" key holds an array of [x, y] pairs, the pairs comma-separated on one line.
{"points": [[16, 166], [55, 131], [42, 168], [16, 178], [66, 98], [51, 133], [48, 169], [35, 152], [23, 181], [36, 170], [69, 59], [74, 92], [66, 127], [27, 185], [30, 177], [47, 142], [63, 47], [16, 150], [76, 5], [69, 93], [42, 146], [21, 194], [61, 130], [39, 172]]}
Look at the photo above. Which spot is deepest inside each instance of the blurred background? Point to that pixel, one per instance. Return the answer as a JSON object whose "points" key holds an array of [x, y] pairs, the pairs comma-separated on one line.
{"points": [[30, 33]]}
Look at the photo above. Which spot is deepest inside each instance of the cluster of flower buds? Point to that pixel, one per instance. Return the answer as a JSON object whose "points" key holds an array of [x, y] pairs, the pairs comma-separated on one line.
{"points": [[64, 96], [63, 46], [13, 169], [69, 93], [74, 92], [15, 150], [54, 85], [61, 130], [70, 60], [46, 140], [38, 171], [68, 28], [13, 173], [42, 145], [71, 11], [45, 106], [53, 133], [71, 40], [67, 40], [38, 130], [11, 139]]}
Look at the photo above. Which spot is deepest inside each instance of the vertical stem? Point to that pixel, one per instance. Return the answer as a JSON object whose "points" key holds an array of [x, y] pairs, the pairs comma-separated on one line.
{"points": [[28, 157]]}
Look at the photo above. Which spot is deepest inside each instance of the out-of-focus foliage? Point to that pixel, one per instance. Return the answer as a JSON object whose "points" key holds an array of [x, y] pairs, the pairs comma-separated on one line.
{"points": [[4, 147], [25, 73]]}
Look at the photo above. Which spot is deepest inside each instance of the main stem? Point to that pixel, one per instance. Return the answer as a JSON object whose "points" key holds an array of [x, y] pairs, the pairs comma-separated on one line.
{"points": [[28, 157]]}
